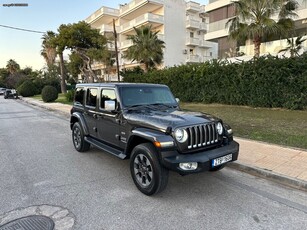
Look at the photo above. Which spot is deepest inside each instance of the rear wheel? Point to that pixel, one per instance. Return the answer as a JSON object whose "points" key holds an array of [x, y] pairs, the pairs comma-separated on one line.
{"points": [[78, 138], [147, 173]]}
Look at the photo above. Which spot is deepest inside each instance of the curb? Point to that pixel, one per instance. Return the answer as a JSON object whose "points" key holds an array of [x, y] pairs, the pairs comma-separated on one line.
{"points": [[45, 107], [267, 174]]}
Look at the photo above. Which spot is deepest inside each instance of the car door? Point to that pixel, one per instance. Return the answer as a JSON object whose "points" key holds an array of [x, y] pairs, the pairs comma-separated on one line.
{"points": [[107, 121], [90, 110]]}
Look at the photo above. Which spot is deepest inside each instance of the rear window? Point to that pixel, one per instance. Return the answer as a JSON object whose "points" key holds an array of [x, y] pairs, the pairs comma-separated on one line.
{"points": [[91, 97], [79, 96]]}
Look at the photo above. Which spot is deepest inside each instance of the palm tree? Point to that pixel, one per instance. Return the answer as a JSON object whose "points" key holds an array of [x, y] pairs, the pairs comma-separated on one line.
{"points": [[12, 66], [294, 46], [254, 20], [146, 48], [49, 48]]}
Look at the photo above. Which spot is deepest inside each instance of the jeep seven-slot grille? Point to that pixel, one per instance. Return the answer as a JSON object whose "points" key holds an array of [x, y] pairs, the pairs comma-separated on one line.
{"points": [[202, 135]]}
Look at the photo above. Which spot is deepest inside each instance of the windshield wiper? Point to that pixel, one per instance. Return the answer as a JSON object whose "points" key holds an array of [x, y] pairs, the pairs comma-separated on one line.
{"points": [[154, 106], [166, 105]]}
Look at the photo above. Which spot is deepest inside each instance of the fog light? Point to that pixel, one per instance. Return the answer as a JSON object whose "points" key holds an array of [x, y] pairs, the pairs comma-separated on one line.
{"points": [[188, 166]]}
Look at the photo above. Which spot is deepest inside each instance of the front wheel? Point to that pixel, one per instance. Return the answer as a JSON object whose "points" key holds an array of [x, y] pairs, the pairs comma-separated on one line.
{"points": [[78, 138], [147, 173]]}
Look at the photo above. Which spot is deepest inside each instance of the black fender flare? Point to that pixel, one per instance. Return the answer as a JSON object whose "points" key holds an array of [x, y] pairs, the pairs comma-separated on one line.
{"points": [[79, 117], [148, 135]]}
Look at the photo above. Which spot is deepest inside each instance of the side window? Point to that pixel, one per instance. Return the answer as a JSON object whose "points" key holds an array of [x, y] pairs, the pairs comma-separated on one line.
{"points": [[107, 95], [91, 97], [79, 96]]}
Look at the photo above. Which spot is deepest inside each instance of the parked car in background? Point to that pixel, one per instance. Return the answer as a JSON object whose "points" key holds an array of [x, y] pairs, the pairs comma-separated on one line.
{"points": [[10, 93], [2, 90]]}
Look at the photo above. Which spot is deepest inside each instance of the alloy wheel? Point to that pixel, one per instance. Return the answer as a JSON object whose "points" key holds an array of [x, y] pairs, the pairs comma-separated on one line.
{"points": [[143, 170]]}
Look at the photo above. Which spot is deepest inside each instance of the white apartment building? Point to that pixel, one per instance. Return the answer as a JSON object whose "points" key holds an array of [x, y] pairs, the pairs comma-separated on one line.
{"points": [[220, 11], [181, 25]]}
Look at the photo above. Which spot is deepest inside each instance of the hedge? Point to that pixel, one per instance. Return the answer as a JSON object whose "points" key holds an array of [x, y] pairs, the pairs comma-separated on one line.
{"points": [[263, 82], [27, 89]]}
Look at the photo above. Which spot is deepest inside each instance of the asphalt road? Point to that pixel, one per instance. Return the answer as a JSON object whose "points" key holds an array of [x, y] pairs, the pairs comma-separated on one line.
{"points": [[39, 165]]}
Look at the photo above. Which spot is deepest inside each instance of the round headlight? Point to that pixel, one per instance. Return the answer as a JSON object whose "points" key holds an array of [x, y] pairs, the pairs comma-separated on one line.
{"points": [[219, 128], [181, 135]]}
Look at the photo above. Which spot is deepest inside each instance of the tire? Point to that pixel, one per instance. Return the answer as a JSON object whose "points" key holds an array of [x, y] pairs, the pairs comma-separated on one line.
{"points": [[147, 173], [78, 138], [218, 168]]}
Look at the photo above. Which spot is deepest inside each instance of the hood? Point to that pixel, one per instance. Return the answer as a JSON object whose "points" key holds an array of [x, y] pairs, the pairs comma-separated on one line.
{"points": [[161, 120]]}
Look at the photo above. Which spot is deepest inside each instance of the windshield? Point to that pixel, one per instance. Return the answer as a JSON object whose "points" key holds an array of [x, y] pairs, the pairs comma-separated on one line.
{"points": [[146, 95]]}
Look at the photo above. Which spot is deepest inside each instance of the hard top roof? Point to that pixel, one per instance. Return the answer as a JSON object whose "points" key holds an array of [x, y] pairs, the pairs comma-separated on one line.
{"points": [[115, 84]]}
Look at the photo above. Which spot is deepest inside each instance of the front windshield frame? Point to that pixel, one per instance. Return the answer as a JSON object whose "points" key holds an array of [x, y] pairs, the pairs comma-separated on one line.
{"points": [[169, 100]]}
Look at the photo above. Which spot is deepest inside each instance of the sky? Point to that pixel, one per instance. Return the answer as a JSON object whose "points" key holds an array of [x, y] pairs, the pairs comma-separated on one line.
{"points": [[40, 15]]}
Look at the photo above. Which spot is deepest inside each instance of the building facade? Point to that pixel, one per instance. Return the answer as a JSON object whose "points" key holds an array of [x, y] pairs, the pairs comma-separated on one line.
{"points": [[220, 11], [181, 25]]}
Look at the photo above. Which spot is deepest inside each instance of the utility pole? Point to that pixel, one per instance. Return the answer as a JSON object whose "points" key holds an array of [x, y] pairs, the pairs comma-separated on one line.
{"points": [[116, 52]]}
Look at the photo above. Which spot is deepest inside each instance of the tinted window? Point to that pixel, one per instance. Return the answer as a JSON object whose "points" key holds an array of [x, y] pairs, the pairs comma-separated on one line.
{"points": [[79, 96], [107, 95], [146, 95], [91, 97]]}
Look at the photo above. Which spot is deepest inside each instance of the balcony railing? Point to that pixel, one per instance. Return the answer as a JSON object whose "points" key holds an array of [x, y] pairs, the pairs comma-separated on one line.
{"points": [[133, 4], [102, 11], [192, 23], [219, 25], [149, 17], [127, 43], [193, 58], [197, 58], [203, 26], [203, 43], [192, 41], [193, 6]]}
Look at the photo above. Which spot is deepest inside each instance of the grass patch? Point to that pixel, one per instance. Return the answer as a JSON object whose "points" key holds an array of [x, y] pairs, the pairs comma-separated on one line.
{"points": [[279, 126], [61, 99]]}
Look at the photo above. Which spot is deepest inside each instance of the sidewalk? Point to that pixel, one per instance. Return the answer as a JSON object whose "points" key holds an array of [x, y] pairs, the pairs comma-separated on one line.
{"points": [[284, 165]]}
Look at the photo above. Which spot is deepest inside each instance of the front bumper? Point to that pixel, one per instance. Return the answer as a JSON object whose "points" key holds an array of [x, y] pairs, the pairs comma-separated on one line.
{"points": [[172, 159]]}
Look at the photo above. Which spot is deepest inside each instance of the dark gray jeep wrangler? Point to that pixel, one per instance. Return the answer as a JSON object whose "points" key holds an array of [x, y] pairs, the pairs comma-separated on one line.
{"points": [[143, 122]]}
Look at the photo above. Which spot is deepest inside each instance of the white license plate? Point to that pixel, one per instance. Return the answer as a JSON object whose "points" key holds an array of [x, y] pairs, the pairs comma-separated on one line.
{"points": [[221, 160]]}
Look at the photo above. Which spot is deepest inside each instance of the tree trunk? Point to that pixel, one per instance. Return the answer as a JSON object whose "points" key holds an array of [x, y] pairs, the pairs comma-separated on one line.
{"points": [[63, 83], [146, 67], [257, 44]]}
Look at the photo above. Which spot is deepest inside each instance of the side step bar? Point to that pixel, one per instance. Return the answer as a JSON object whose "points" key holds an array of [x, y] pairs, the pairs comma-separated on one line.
{"points": [[105, 147]]}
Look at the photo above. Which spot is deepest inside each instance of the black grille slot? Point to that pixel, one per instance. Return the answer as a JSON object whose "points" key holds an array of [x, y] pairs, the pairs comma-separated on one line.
{"points": [[202, 135]]}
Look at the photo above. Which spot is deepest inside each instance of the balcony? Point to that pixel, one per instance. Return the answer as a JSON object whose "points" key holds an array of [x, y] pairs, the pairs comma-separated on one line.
{"points": [[161, 37], [104, 15], [205, 44], [149, 18], [138, 7], [126, 44], [97, 65], [109, 29], [193, 7], [203, 26], [192, 41], [193, 58], [192, 23], [216, 4], [218, 25]]}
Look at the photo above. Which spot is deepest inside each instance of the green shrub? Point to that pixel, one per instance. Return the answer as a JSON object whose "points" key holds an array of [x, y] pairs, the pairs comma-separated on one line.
{"points": [[262, 82], [70, 95], [49, 93], [27, 89]]}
